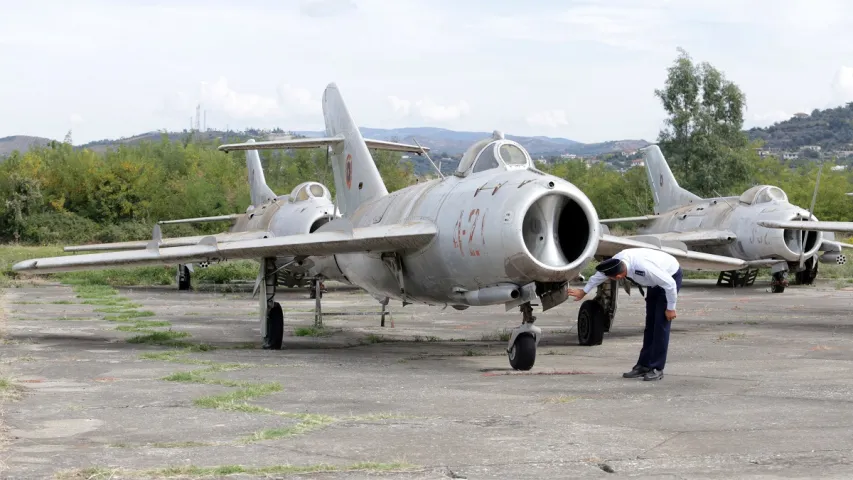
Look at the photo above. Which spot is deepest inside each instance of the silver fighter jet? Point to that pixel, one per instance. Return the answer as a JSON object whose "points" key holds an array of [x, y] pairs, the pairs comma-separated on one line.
{"points": [[496, 232]]}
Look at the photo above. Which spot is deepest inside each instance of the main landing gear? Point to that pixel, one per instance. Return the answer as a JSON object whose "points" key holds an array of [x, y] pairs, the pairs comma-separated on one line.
{"points": [[524, 340], [183, 277], [595, 316]]}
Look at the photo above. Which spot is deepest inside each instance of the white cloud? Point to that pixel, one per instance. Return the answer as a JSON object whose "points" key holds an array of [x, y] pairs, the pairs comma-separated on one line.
{"points": [[326, 8], [76, 118], [842, 85], [547, 119], [771, 117], [218, 96], [429, 110]]}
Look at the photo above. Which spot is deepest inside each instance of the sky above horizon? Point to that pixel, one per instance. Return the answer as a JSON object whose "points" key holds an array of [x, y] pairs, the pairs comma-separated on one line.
{"points": [[583, 70]]}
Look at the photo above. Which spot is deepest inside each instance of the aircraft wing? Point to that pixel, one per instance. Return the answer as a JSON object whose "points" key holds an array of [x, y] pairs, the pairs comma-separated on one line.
{"points": [[168, 242], [700, 238], [319, 142], [643, 218], [327, 240], [610, 245], [846, 227]]}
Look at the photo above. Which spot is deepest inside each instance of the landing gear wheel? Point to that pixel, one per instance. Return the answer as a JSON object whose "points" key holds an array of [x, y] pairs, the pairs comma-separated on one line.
{"points": [[275, 328], [591, 321], [183, 278], [522, 355], [779, 282]]}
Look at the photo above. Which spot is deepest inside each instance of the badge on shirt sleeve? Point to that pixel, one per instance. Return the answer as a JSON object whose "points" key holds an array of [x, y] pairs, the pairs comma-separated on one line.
{"points": [[640, 273]]}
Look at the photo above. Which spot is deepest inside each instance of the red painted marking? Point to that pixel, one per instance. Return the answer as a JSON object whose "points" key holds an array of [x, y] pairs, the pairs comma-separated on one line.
{"points": [[35, 380], [457, 240], [482, 224], [349, 171], [106, 379]]}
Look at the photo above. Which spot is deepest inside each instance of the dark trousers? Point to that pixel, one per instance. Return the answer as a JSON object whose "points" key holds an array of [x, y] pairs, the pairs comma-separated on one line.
{"points": [[656, 334]]}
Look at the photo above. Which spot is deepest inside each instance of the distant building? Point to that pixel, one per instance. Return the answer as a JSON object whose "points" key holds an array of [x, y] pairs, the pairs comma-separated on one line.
{"points": [[790, 155], [815, 148], [838, 168], [638, 163], [801, 115], [568, 155]]}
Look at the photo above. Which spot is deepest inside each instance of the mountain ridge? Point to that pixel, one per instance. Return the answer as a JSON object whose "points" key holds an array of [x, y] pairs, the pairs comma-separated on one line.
{"points": [[439, 140]]}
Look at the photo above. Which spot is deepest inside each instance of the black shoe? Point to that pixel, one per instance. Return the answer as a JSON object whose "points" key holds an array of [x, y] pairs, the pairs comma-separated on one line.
{"points": [[653, 374], [637, 372]]}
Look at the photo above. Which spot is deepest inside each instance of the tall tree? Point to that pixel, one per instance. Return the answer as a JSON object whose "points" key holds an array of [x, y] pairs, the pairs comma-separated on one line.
{"points": [[703, 139]]}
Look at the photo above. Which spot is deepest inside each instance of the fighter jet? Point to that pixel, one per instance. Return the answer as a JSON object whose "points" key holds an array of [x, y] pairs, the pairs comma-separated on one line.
{"points": [[308, 206], [735, 227], [496, 232]]}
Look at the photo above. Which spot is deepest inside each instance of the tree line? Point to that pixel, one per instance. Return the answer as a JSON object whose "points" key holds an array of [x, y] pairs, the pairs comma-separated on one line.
{"points": [[57, 194]]}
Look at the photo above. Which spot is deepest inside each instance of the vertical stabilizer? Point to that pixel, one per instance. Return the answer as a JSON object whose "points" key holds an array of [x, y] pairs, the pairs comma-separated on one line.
{"points": [[258, 188], [357, 179], [667, 193]]}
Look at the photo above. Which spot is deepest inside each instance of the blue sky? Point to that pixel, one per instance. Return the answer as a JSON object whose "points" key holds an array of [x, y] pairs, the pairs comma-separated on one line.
{"points": [[584, 70]]}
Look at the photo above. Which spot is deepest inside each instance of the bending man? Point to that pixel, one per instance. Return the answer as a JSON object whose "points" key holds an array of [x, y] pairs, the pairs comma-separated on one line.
{"points": [[645, 267]]}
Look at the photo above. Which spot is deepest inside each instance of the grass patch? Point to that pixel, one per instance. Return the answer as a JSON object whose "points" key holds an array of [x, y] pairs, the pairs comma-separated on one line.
{"points": [[181, 444], [371, 339], [62, 302], [142, 326], [308, 423], [230, 400], [125, 316], [9, 390], [312, 332]]}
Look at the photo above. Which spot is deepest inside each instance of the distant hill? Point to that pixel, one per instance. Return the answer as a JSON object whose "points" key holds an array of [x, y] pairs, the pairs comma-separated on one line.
{"points": [[831, 129], [452, 142], [22, 143], [443, 143]]}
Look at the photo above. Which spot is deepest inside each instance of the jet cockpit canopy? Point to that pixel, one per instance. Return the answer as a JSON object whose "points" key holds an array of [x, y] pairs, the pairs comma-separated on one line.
{"points": [[491, 153], [307, 190], [763, 194]]}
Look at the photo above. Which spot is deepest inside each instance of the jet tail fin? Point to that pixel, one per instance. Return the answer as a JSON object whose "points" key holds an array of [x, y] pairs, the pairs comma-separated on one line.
{"points": [[357, 179], [259, 191], [667, 193]]}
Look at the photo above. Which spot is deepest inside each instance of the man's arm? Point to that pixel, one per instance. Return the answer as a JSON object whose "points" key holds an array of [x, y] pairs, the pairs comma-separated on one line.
{"points": [[594, 281], [666, 282]]}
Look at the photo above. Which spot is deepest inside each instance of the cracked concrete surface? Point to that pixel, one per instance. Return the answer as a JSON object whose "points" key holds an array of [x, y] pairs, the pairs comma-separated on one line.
{"points": [[757, 385]]}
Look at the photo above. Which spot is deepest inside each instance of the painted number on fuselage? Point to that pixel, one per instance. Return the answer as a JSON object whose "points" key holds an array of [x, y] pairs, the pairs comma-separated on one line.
{"points": [[468, 230], [756, 237]]}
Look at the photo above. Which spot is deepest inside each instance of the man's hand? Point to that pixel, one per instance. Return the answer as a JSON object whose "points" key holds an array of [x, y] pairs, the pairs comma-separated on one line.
{"points": [[670, 315], [578, 293]]}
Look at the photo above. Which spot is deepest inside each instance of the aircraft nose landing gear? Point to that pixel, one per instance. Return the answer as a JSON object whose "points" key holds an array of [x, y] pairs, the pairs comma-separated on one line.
{"points": [[524, 340]]}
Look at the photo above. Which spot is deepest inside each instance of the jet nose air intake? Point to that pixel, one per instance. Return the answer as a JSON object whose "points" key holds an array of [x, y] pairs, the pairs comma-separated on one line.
{"points": [[556, 230]]}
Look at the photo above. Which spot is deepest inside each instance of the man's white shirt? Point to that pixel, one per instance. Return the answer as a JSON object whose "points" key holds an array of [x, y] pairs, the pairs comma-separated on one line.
{"points": [[649, 268]]}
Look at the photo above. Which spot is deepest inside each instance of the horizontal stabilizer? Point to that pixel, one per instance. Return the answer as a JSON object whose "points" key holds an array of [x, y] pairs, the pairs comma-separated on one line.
{"points": [[319, 142], [219, 218], [383, 238], [643, 218], [846, 227], [698, 238], [169, 242], [610, 245]]}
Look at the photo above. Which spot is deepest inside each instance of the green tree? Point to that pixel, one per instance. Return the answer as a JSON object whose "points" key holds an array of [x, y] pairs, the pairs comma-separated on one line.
{"points": [[703, 140]]}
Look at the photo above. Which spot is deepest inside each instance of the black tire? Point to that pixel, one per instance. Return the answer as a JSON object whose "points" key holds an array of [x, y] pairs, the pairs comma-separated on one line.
{"points": [[184, 278], [777, 288], [275, 328], [591, 320], [522, 355]]}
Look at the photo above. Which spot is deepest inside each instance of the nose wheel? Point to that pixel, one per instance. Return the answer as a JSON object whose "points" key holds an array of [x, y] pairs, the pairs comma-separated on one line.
{"points": [[521, 349]]}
